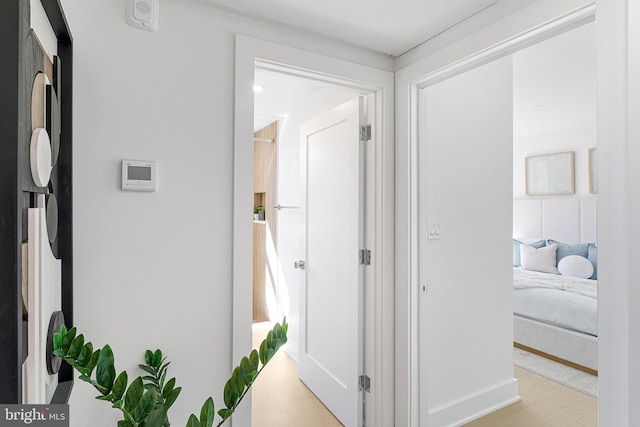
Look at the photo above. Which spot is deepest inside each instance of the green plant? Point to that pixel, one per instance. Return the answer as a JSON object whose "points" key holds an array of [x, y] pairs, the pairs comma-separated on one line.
{"points": [[146, 401], [258, 209]]}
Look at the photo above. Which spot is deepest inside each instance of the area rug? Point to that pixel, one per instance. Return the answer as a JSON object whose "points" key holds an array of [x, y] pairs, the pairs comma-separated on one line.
{"points": [[565, 375]]}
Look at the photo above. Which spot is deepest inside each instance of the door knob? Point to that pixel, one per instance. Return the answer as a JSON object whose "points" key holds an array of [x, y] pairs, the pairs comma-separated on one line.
{"points": [[299, 264]]}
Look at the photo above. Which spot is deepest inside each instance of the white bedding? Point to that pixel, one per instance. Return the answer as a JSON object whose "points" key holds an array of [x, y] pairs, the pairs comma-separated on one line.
{"points": [[526, 279], [557, 300]]}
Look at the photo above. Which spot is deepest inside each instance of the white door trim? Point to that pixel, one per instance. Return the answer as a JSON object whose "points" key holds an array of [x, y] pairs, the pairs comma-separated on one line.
{"points": [[409, 81], [249, 52]]}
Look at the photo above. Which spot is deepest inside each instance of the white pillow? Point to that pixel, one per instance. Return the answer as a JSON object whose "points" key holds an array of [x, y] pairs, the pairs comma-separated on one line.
{"points": [[575, 266], [539, 259]]}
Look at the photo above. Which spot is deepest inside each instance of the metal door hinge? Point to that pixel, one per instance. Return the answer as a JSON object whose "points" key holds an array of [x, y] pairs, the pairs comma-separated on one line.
{"points": [[365, 383], [365, 133], [365, 257]]}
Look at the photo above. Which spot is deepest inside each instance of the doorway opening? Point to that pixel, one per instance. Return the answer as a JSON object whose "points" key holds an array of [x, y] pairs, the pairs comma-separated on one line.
{"points": [[336, 74], [253, 54], [555, 208], [441, 211], [287, 103], [281, 279]]}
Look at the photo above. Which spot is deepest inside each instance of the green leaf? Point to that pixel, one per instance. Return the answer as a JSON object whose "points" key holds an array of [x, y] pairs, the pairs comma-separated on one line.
{"points": [[254, 358], [277, 331], [239, 382], [263, 350], [164, 366], [230, 393], [120, 385], [147, 369], [157, 358], [153, 387], [68, 339], [145, 406], [148, 357], [150, 378], [171, 398], [162, 378], [76, 346], [88, 369], [225, 413], [124, 423], [106, 398], [244, 368], [85, 354], [59, 353], [207, 413], [157, 417], [57, 341], [105, 369], [134, 394], [268, 355], [169, 386], [193, 421]]}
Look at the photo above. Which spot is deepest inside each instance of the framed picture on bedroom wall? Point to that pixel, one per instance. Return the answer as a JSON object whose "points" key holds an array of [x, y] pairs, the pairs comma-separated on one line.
{"points": [[550, 174], [593, 170]]}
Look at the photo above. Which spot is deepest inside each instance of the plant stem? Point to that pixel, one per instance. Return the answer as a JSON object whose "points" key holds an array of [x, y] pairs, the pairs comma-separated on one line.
{"points": [[244, 393]]}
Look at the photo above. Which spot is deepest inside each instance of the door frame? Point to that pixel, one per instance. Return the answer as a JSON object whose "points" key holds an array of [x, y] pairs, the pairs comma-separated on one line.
{"points": [[367, 80], [409, 82]]}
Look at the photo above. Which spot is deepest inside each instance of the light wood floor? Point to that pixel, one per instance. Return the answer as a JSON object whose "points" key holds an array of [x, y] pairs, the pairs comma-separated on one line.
{"points": [[281, 400], [543, 403]]}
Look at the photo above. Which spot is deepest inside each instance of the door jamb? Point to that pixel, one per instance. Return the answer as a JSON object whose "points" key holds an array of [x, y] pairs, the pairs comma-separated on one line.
{"points": [[331, 71]]}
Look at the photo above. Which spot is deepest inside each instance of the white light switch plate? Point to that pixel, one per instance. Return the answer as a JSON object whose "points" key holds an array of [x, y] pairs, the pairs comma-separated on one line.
{"points": [[433, 229]]}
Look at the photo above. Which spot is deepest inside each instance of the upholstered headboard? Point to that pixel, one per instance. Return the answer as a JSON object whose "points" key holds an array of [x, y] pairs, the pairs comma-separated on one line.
{"points": [[568, 220]]}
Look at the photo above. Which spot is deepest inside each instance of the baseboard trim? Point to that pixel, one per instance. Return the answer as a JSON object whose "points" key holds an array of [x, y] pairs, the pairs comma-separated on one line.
{"points": [[476, 405]]}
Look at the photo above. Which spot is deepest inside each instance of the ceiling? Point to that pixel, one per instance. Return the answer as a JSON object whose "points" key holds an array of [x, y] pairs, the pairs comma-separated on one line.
{"points": [[553, 87], [392, 27], [283, 95]]}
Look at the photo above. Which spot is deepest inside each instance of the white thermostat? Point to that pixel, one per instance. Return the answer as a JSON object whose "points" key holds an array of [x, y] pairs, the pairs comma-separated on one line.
{"points": [[138, 175]]}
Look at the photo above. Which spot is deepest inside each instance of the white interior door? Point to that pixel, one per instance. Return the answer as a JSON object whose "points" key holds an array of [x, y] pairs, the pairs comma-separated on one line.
{"points": [[330, 308], [466, 196]]}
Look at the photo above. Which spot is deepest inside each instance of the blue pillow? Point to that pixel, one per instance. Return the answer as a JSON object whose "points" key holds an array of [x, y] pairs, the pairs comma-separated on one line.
{"points": [[593, 257], [516, 249], [565, 249]]}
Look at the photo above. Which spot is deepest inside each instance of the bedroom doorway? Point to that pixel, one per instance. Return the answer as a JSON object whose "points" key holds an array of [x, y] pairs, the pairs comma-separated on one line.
{"points": [[462, 211], [555, 124]]}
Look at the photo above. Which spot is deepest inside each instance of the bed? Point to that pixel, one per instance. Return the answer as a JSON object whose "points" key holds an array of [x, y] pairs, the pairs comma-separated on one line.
{"points": [[555, 314]]}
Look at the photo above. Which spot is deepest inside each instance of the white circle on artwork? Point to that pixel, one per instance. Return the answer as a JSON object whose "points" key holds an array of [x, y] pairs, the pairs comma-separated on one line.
{"points": [[40, 157]]}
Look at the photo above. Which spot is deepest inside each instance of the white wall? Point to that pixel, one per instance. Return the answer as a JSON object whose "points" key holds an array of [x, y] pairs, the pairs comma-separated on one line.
{"points": [[154, 269], [579, 140], [554, 96]]}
